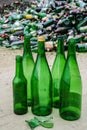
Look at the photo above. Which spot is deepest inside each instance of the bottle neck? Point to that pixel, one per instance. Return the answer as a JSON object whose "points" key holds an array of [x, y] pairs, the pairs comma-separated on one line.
{"points": [[60, 46], [27, 48], [19, 69], [41, 48], [71, 48]]}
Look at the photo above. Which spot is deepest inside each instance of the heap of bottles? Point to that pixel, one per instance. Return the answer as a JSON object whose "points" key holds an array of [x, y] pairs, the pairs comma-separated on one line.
{"points": [[43, 17]]}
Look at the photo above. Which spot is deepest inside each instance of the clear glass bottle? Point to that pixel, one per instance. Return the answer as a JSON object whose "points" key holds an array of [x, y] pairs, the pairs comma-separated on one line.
{"points": [[57, 70], [41, 83], [71, 86]]}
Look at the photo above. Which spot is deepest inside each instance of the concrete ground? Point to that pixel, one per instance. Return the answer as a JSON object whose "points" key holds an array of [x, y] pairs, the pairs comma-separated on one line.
{"points": [[10, 121]]}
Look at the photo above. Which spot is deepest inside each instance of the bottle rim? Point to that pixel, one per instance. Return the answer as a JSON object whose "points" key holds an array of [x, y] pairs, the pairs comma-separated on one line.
{"points": [[18, 58]]}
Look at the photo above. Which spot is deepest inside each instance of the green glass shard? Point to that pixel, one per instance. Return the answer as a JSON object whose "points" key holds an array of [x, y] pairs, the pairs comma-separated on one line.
{"points": [[33, 123], [47, 124]]}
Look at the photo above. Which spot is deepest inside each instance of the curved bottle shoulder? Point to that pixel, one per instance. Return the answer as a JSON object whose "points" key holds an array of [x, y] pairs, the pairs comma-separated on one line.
{"points": [[19, 80], [71, 67], [41, 67], [59, 59], [28, 58]]}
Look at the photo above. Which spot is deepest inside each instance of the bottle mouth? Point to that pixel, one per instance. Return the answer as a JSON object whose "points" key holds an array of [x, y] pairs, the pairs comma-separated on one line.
{"points": [[18, 58]]}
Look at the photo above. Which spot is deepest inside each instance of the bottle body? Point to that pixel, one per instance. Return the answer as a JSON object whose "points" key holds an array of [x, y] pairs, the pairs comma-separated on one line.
{"points": [[83, 29], [71, 87], [41, 85], [57, 70], [80, 3], [28, 64], [48, 23], [19, 90], [82, 23]]}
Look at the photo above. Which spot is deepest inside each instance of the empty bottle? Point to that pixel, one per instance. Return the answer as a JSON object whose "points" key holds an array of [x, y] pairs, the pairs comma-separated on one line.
{"points": [[81, 47], [71, 86], [28, 64], [41, 83], [81, 4], [82, 23], [57, 70], [83, 29], [19, 89], [48, 23], [65, 22]]}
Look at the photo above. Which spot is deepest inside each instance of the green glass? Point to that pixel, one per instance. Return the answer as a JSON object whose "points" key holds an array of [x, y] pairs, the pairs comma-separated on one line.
{"points": [[42, 15], [65, 22], [69, 1], [19, 89], [83, 29], [85, 39], [71, 86], [57, 70], [41, 83], [81, 3], [28, 65], [48, 23], [59, 9], [81, 47], [78, 38], [82, 23]]}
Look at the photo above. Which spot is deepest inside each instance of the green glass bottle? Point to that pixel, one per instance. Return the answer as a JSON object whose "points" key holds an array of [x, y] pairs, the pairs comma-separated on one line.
{"points": [[65, 22], [79, 38], [83, 29], [59, 9], [81, 47], [28, 64], [81, 3], [85, 39], [71, 86], [82, 23], [41, 83], [19, 89], [48, 23], [57, 70], [70, 1]]}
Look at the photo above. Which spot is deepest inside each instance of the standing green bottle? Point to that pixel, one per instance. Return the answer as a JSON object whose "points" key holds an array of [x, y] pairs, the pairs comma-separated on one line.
{"points": [[19, 89], [71, 86], [57, 70], [41, 83], [28, 64]]}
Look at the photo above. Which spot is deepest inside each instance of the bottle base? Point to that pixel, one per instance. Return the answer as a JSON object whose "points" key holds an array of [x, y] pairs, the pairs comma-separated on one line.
{"points": [[70, 115], [20, 111], [42, 111]]}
